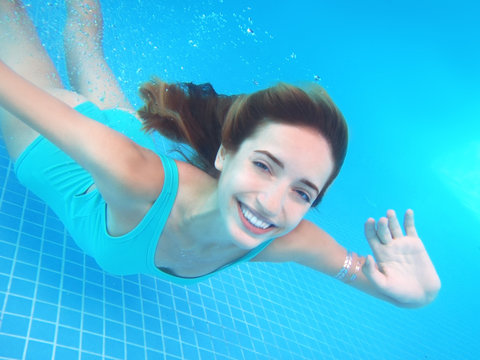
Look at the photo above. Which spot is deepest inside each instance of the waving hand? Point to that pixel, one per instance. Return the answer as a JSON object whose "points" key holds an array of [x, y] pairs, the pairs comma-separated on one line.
{"points": [[401, 268]]}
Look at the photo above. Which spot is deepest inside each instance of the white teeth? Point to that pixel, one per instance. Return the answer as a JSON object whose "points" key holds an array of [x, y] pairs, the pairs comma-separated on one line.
{"points": [[253, 219]]}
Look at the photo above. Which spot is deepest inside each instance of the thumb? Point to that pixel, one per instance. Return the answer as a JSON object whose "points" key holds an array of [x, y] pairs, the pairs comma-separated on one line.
{"points": [[371, 272]]}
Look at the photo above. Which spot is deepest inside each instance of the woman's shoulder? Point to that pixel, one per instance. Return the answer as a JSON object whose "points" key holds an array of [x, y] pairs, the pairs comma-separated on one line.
{"points": [[193, 180], [191, 177]]}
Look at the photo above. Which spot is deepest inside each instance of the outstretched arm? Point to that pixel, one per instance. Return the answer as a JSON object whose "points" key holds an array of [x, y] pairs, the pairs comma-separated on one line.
{"points": [[124, 172], [400, 271], [88, 71]]}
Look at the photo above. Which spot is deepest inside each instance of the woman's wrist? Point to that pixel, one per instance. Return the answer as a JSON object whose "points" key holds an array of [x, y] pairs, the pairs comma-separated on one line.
{"points": [[351, 267]]}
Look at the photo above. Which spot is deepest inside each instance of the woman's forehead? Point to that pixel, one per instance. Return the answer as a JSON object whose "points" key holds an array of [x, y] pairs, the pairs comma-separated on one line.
{"points": [[298, 148]]}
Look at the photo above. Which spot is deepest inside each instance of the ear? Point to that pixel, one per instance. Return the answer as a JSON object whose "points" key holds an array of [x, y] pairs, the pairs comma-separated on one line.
{"points": [[220, 158]]}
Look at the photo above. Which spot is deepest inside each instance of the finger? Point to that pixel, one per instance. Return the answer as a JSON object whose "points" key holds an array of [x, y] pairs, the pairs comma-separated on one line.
{"points": [[371, 272], [409, 223], [383, 232], [394, 225], [371, 234]]}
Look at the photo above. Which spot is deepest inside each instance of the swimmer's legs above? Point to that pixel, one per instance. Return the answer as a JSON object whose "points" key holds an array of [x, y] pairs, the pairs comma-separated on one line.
{"points": [[21, 50], [88, 71]]}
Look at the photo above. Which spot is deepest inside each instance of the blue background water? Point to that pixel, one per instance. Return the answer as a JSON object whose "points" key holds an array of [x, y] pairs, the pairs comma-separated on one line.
{"points": [[406, 76]]}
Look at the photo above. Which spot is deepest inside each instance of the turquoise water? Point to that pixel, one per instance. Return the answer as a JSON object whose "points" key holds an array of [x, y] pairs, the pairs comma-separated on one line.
{"points": [[406, 77]]}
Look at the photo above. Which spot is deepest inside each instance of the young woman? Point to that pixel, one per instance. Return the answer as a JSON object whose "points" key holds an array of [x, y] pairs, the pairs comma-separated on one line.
{"points": [[262, 160]]}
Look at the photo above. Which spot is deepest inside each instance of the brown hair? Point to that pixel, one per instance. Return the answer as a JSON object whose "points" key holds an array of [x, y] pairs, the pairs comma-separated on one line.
{"points": [[199, 117]]}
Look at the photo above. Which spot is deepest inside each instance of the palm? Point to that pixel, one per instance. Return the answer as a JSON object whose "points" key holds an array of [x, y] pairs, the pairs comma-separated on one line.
{"points": [[403, 270]]}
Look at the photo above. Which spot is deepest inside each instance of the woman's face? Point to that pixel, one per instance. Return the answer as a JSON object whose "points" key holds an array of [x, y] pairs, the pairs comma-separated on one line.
{"points": [[267, 186]]}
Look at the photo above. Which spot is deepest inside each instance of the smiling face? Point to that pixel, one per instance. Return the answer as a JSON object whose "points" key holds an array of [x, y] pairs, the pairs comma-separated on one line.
{"points": [[266, 187]]}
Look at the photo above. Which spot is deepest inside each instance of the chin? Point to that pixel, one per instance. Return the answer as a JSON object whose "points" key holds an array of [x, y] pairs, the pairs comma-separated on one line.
{"points": [[244, 239]]}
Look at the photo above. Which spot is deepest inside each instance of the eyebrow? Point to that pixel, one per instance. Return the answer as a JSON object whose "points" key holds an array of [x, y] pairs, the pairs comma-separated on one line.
{"points": [[282, 166]]}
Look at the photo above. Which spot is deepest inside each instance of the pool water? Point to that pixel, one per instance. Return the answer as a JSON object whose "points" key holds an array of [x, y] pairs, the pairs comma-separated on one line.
{"points": [[405, 75]]}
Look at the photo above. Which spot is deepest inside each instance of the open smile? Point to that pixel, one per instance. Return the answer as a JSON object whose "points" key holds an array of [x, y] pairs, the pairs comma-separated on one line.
{"points": [[254, 222]]}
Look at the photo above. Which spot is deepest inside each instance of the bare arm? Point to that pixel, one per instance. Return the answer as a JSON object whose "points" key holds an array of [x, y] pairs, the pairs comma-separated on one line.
{"points": [[402, 273], [123, 171]]}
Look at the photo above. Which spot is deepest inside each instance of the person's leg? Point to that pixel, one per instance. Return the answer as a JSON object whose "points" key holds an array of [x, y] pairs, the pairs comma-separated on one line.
{"points": [[87, 68], [21, 49]]}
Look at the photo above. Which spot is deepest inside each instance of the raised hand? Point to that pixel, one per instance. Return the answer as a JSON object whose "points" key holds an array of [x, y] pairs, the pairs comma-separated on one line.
{"points": [[401, 268]]}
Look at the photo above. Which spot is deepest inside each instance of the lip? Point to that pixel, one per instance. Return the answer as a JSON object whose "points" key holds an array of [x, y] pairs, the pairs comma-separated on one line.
{"points": [[251, 228]]}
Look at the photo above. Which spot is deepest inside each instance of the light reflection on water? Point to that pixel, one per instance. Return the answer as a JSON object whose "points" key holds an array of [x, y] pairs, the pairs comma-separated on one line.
{"points": [[460, 170]]}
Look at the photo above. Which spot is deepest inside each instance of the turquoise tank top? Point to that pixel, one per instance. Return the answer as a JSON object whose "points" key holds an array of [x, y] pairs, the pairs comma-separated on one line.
{"points": [[61, 183]]}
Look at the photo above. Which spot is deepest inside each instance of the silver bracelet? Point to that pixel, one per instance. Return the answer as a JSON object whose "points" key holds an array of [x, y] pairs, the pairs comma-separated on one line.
{"points": [[355, 272], [346, 267]]}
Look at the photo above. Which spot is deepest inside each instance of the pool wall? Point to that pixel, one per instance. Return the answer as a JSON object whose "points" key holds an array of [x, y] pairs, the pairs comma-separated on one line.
{"points": [[55, 302]]}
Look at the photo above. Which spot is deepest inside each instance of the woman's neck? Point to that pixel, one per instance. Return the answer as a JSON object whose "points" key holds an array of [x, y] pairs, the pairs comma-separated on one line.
{"points": [[203, 223], [195, 221], [196, 240]]}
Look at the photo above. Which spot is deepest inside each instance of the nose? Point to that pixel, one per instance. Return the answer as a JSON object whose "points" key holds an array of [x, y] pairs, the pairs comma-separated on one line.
{"points": [[271, 200]]}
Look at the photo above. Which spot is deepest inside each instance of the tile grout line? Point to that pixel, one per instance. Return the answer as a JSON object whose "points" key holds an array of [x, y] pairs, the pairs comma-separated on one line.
{"points": [[13, 267], [124, 317], [37, 279], [57, 324], [82, 310], [140, 283], [4, 307]]}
